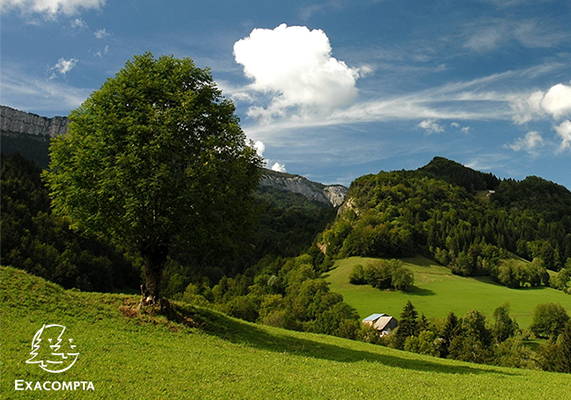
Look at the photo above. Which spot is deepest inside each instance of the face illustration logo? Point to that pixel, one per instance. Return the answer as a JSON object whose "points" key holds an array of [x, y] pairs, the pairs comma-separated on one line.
{"points": [[51, 350]]}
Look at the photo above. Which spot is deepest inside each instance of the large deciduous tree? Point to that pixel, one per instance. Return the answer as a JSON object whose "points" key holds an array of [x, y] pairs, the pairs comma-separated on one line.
{"points": [[156, 155]]}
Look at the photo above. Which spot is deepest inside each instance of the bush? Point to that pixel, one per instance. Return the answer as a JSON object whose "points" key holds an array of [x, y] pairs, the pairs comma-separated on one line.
{"points": [[357, 276], [515, 274], [382, 274], [562, 280], [549, 320]]}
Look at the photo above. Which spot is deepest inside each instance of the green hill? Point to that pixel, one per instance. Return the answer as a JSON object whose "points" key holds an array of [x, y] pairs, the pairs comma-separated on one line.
{"points": [[434, 211], [131, 355], [437, 292]]}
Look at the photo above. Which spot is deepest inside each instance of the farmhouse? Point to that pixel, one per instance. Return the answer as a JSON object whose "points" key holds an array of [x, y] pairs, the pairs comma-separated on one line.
{"points": [[384, 323]]}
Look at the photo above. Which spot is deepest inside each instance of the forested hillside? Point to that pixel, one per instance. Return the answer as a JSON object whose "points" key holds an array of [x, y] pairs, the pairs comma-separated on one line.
{"points": [[35, 240], [431, 212]]}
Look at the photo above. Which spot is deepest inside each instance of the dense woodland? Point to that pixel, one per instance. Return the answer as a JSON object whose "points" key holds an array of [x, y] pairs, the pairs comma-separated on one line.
{"points": [[37, 241], [490, 230]]}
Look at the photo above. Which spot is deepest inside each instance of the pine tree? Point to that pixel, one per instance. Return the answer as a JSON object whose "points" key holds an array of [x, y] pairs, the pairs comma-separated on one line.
{"points": [[408, 325], [449, 332]]}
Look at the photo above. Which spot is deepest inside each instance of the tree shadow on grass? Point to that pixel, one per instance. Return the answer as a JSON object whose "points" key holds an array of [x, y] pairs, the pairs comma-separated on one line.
{"points": [[416, 291], [241, 332]]}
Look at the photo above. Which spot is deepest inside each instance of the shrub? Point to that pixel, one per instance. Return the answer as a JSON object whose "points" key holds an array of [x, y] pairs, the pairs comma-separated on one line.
{"points": [[549, 320], [357, 276]]}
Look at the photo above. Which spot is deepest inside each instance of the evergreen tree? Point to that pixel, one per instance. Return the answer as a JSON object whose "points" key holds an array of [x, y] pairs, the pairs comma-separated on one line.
{"points": [[449, 332], [408, 325]]}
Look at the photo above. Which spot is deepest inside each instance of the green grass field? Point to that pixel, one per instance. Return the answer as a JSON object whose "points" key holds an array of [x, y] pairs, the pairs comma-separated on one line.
{"points": [[437, 292], [129, 355]]}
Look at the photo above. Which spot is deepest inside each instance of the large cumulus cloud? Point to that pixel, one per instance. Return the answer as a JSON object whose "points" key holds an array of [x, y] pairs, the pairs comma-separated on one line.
{"points": [[294, 67], [555, 102]]}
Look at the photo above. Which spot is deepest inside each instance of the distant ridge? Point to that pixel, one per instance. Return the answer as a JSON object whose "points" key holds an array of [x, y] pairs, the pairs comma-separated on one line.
{"points": [[331, 195]]}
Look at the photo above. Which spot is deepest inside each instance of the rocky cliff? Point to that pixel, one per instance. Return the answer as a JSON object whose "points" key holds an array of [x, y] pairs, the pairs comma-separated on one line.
{"points": [[29, 134], [14, 122], [332, 195]]}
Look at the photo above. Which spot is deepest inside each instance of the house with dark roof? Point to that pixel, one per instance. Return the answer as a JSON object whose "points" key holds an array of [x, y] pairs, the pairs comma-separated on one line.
{"points": [[383, 323]]}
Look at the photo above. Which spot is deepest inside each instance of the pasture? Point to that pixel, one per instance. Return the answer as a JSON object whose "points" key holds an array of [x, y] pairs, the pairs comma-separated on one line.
{"points": [[437, 292]]}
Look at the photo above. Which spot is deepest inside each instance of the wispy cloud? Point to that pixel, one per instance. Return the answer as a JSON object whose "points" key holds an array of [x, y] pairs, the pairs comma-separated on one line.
{"points": [[306, 12], [492, 97], [490, 34], [78, 23], [431, 126], [50, 8], [529, 143], [101, 34], [34, 94]]}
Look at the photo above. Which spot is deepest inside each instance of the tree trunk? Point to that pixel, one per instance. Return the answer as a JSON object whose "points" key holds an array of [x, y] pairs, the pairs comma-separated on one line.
{"points": [[154, 260]]}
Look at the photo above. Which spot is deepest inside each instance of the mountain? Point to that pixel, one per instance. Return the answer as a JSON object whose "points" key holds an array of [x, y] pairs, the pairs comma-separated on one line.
{"points": [[29, 134], [435, 211], [330, 195]]}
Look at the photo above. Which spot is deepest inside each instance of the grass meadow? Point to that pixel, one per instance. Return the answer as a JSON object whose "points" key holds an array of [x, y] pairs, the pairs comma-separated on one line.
{"points": [[437, 292], [202, 354]]}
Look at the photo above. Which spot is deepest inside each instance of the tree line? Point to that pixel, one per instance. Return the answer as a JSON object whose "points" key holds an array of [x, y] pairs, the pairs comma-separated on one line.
{"points": [[473, 338]]}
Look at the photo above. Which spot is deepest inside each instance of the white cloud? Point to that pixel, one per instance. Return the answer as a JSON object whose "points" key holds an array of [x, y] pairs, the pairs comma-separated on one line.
{"points": [[527, 108], [529, 142], [293, 65], [260, 147], [431, 126], [101, 53], [78, 23], [556, 102], [463, 129], [63, 66], [278, 167], [101, 34], [564, 131], [51, 8]]}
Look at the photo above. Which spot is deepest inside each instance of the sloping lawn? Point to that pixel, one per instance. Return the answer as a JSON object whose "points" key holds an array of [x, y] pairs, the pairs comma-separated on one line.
{"points": [[202, 354], [437, 292]]}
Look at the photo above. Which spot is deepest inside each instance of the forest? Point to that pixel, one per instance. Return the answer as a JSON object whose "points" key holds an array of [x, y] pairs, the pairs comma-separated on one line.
{"points": [[488, 228]]}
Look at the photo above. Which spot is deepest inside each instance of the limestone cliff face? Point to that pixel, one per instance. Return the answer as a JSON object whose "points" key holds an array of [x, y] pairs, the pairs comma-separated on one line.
{"points": [[332, 195], [29, 135], [14, 122]]}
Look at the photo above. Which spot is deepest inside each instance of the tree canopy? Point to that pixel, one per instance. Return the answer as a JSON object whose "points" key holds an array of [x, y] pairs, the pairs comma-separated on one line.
{"points": [[156, 155]]}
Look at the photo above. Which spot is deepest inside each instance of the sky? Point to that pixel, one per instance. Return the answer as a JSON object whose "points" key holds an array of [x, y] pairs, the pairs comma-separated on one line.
{"points": [[330, 90]]}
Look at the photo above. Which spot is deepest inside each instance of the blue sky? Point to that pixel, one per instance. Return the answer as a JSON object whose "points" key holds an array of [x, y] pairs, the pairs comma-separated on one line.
{"points": [[330, 90]]}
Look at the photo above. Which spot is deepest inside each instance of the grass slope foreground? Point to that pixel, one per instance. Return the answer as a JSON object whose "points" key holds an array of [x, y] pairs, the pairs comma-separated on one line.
{"points": [[131, 355]]}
